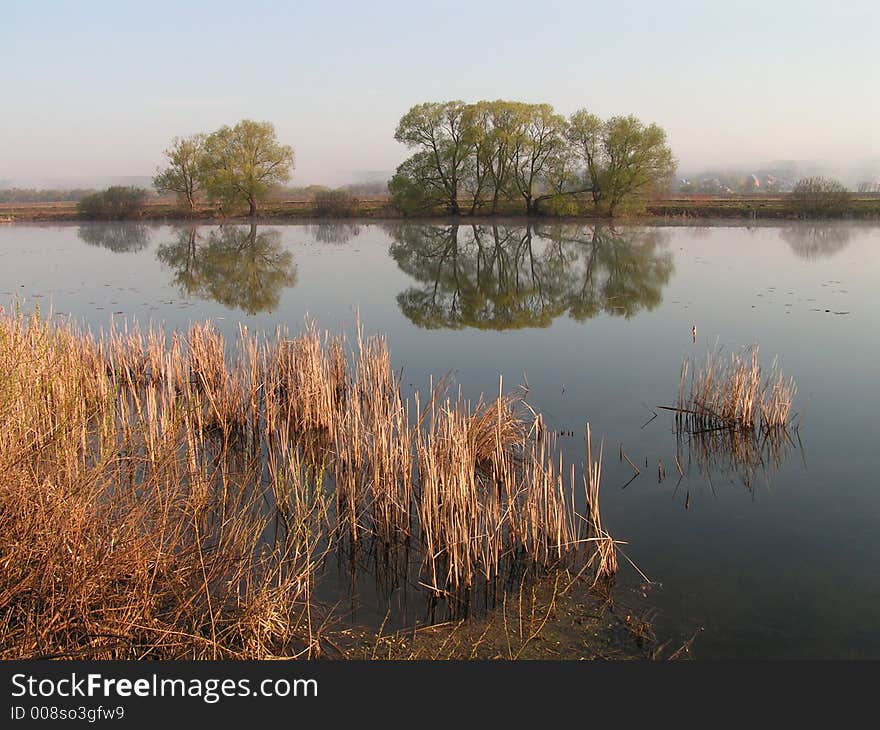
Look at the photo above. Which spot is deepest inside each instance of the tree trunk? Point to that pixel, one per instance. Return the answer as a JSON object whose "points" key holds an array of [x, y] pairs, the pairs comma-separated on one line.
{"points": [[253, 207]]}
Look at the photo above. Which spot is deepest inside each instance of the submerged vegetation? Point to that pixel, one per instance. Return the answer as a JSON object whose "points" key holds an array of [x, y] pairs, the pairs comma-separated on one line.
{"points": [[179, 498]]}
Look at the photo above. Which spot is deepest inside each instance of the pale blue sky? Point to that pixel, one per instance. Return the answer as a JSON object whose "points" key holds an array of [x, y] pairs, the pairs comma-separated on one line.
{"points": [[96, 89]]}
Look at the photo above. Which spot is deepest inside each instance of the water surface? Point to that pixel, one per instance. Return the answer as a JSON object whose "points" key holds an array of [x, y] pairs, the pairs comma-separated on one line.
{"points": [[777, 558]]}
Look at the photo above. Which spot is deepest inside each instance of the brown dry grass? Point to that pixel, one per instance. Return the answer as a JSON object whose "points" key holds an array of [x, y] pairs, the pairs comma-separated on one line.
{"points": [[175, 499], [733, 391]]}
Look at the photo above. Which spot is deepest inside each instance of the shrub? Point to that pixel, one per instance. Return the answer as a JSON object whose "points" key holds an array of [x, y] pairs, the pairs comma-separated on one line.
{"points": [[335, 203], [115, 203], [819, 197]]}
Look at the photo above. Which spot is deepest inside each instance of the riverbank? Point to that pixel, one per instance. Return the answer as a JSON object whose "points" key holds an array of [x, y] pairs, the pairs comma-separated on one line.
{"points": [[684, 207]]}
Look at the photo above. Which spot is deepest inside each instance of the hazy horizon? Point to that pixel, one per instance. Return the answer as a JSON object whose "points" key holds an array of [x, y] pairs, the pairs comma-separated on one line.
{"points": [[98, 89]]}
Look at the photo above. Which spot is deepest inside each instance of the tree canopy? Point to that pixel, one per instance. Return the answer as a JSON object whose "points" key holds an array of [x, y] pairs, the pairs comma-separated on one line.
{"points": [[183, 174], [244, 162], [476, 155], [239, 165]]}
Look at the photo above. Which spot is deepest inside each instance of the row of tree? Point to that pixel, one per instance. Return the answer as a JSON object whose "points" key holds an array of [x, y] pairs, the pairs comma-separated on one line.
{"points": [[475, 155], [237, 165]]}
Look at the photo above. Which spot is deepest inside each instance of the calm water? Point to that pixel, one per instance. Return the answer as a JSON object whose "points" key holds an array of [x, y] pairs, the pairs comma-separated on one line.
{"points": [[778, 560]]}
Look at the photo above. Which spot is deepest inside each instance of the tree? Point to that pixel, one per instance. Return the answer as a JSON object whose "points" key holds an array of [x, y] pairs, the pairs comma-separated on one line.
{"points": [[622, 157], [585, 133], [638, 160], [494, 149], [415, 186], [539, 136], [820, 197], [243, 163], [444, 139], [501, 119], [183, 174]]}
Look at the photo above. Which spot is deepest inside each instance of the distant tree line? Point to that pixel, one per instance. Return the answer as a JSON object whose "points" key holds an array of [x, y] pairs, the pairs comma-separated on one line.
{"points": [[471, 157], [237, 165], [32, 195]]}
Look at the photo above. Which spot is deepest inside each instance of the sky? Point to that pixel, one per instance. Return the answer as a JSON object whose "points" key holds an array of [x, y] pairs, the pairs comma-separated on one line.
{"points": [[95, 90]]}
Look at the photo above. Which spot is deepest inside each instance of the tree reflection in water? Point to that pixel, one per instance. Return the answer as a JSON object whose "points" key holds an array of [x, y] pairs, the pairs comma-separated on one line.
{"points": [[816, 242], [335, 233], [122, 237], [509, 277], [233, 265]]}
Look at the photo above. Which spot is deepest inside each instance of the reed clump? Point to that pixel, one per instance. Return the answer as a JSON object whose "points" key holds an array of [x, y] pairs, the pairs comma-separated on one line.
{"points": [[734, 392], [177, 498]]}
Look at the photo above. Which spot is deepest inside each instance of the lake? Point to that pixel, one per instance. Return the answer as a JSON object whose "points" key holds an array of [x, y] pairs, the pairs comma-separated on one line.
{"points": [[771, 554]]}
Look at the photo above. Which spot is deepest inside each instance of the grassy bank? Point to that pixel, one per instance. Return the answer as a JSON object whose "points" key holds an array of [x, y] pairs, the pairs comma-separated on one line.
{"points": [[181, 498], [765, 207]]}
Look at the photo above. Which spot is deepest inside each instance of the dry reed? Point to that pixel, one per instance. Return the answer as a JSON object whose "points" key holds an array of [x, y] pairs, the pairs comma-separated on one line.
{"points": [[176, 499], [734, 392]]}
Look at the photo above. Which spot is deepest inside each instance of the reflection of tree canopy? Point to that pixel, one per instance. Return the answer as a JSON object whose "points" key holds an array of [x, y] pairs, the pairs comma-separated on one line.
{"points": [[118, 237], [496, 277], [335, 232], [816, 242], [235, 266]]}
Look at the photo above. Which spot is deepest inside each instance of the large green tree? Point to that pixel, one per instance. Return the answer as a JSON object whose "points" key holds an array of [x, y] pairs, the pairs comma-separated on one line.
{"points": [[443, 138], [622, 157], [540, 135], [183, 172], [492, 150], [243, 163]]}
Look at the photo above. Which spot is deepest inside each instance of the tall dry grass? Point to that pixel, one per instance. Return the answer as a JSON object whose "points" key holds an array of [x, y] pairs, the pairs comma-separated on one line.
{"points": [[734, 391], [176, 497]]}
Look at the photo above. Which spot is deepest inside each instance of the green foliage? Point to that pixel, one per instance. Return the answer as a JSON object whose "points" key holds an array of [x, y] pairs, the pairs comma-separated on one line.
{"points": [[183, 173], [115, 203], [335, 203], [444, 138], [492, 150], [561, 205], [820, 197], [415, 189], [242, 164]]}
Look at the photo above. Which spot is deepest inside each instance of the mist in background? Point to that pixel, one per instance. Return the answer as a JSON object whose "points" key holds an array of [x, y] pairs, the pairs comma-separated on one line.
{"points": [[92, 92]]}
